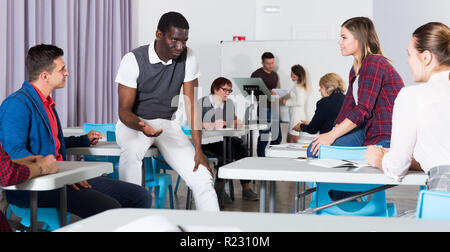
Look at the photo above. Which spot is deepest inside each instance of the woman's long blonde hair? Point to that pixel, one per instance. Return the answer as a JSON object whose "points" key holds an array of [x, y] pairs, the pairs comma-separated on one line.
{"points": [[363, 29]]}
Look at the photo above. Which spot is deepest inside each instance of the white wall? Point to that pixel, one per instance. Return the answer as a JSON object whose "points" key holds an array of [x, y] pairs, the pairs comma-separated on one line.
{"points": [[395, 22], [307, 20], [213, 21]]}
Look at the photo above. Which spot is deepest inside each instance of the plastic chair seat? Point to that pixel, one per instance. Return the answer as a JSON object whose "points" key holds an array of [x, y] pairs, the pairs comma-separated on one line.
{"points": [[50, 216], [375, 206]]}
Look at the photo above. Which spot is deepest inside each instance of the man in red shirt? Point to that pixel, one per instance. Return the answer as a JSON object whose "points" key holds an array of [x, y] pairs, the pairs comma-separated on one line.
{"points": [[29, 125], [14, 172]]}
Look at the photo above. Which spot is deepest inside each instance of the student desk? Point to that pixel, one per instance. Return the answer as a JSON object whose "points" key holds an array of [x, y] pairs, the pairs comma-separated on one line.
{"points": [[106, 149], [69, 173], [78, 131], [112, 220], [293, 170]]}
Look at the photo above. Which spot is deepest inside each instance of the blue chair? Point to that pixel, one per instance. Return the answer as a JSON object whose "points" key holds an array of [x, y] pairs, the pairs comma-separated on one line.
{"points": [[433, 205], [50, 217], [103, 128], [153, 179], [374, 205]]}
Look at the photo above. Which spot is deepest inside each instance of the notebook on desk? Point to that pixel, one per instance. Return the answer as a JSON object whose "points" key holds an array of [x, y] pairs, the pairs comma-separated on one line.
{"points": [[335, 163]]}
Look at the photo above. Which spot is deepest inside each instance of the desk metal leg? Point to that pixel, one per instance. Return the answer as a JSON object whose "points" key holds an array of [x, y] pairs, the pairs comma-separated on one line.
{"points": [[296, 195], [33, 211], [272, 196], [303, 198], [63, 206], [225, 151], [262, 197], [143, 173]]}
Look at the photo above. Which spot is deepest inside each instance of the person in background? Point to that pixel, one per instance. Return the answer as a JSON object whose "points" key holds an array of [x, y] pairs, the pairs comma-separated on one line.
{"points": [[296, 100], [29, 125], [327, 108], [16, 172], [218, 112], [420, 135], [366, 115], [271, 79]]}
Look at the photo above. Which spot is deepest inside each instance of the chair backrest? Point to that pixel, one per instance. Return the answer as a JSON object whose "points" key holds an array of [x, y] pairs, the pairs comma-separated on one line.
{"points": [[102, 128], [433, 205], [340, 152], [110, 136]]}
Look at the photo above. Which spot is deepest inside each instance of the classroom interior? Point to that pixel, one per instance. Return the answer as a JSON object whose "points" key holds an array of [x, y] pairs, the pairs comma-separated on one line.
{"points": [[215, 23]]}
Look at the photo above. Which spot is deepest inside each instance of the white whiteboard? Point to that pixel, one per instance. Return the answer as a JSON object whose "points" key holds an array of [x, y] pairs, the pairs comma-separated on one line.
{"points": [[318, 57]]}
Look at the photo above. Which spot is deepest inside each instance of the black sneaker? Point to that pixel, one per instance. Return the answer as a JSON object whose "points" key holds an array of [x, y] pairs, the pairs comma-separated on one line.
{"points": [[249, 195]]}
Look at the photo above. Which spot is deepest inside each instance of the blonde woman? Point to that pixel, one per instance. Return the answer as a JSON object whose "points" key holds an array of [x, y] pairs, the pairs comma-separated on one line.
{"points": [[296, 101], [366, 115], [327, 108], [420, 135]]}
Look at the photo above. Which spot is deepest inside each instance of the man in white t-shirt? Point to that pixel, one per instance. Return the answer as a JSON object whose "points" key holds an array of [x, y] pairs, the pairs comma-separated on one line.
{"points": [[150, 79]]}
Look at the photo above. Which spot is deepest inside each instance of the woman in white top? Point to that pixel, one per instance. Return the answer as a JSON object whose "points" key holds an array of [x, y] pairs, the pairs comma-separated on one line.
{"points": [[421, 118], [296, 101]]}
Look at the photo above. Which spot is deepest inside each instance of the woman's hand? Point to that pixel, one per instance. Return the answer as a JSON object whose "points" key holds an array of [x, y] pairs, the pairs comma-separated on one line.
{"points": [[374, 156], [298, 127], [324, 139]]}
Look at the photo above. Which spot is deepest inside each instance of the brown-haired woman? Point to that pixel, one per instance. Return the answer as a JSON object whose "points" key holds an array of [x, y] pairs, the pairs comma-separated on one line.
{"points": [[365, 117], [420, 135], [296, 101]]}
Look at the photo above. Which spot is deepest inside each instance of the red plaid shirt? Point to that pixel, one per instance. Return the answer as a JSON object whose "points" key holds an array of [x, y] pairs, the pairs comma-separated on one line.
{"points": [[10, 174], [378, 86]]}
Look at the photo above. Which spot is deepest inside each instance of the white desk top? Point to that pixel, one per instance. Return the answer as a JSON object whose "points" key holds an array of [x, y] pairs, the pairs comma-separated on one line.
{"points": [[253, 222], [293, 170], [286, 151], [69, 173], [78, 131], [105, 149]]}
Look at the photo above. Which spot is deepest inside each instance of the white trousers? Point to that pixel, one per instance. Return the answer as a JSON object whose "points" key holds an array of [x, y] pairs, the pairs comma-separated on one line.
{"points": [[178, 152]]}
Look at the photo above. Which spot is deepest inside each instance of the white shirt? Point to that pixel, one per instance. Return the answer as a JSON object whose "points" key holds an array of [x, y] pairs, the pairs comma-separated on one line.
{"points": [[129, 69], [297, 104], [420, 127], [356, 89]]}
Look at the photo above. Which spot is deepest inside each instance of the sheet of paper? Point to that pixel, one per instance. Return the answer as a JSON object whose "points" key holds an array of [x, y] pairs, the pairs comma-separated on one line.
{"points": [[298, 146], [281, 92], [335, 163]]}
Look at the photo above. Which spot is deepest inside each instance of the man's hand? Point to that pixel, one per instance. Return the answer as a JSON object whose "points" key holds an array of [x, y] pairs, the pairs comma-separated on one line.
{"points": [[149, 131], [201, 159], [94, 137]]}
